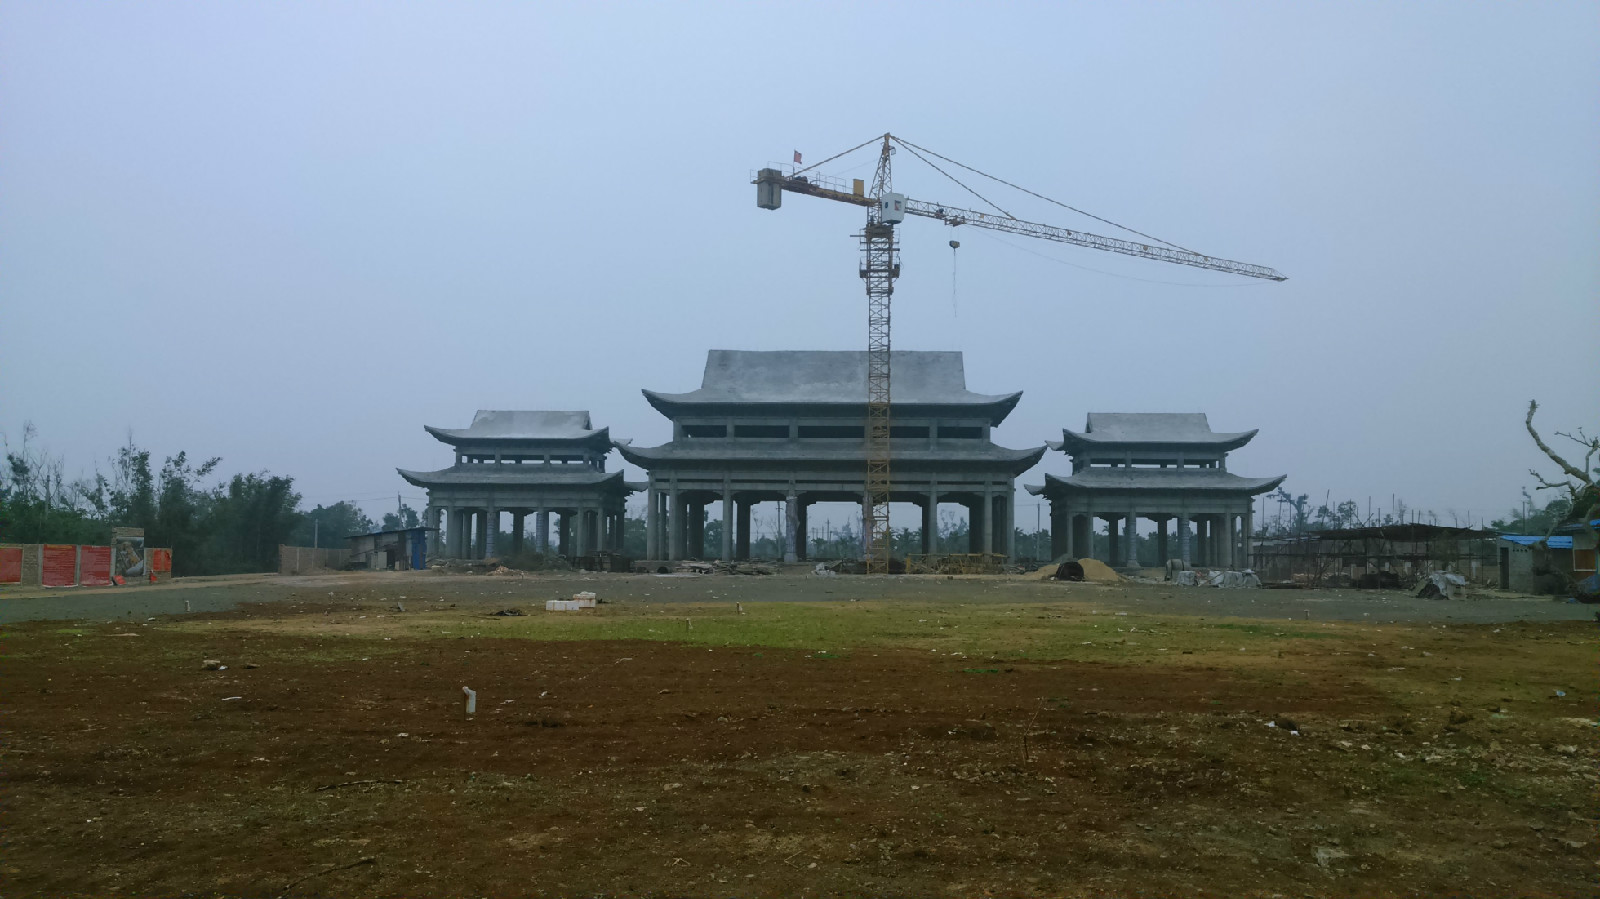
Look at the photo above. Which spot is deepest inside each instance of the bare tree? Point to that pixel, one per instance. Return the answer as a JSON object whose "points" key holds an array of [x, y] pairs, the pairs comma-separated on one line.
{"points": [[1580, 486]]}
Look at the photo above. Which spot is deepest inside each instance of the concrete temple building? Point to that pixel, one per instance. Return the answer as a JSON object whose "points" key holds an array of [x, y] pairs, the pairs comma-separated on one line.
{"points": [[790, 426], [1159, 466], [525, 463]]}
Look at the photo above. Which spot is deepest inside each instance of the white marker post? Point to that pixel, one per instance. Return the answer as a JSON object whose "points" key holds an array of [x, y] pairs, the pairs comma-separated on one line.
{"points": [[472, 700]]}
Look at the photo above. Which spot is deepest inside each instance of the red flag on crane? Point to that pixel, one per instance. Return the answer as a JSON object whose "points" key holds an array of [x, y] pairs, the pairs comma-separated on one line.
{"points": [[797, 157]]}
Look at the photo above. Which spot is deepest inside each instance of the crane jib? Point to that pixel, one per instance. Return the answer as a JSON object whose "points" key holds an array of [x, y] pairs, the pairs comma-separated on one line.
{"points": [[953, 216], [773, 182]]}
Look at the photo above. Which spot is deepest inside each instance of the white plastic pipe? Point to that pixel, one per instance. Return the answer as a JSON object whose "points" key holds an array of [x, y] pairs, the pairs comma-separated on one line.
{"points": [[472, 700]]}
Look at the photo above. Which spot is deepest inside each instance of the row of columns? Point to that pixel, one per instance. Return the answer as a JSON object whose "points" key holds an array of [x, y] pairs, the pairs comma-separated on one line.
{"points": [[675, 524], [471, 533], [1218, 539]]}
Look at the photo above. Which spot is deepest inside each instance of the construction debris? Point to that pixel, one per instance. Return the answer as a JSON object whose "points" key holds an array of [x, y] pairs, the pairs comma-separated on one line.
{"points": [[1443, 585]]}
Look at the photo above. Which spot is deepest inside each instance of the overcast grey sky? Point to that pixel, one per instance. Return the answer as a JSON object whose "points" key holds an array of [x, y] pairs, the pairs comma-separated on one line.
{"points": [[292, 234]]}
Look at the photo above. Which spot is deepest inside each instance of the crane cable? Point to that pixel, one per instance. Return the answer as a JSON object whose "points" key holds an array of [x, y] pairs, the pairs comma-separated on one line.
{"points": [[837, 155], [911, 146], [956, 180]]}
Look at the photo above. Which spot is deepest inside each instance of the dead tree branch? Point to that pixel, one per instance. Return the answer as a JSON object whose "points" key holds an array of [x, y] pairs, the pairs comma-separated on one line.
{"points": [[1568, 467]]}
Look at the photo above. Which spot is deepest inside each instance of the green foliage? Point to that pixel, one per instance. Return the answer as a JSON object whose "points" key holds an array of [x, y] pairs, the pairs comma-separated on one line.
{"points": [[39, 505], [234, 526], [1534, 520], [327, 526], [405, 518]]}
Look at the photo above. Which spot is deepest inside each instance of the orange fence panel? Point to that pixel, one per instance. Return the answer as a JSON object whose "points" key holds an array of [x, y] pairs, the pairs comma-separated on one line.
{"points": [[94, 566], [60, 565], [10, 564]]}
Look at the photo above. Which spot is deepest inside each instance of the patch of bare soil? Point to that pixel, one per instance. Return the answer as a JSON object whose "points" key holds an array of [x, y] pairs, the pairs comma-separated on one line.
{"points": [[310, 767]]}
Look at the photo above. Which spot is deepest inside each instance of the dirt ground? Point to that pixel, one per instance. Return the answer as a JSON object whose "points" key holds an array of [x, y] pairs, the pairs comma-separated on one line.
{"points": [[866, 737]]}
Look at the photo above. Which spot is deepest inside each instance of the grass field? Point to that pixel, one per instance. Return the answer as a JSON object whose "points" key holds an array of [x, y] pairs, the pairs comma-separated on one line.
{"points": [[956, 739]]}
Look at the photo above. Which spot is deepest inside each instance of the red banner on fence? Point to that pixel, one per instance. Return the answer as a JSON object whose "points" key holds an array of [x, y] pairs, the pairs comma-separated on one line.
{"points": [[160, 560], [10, 564], [60, 567], [94, 566]]}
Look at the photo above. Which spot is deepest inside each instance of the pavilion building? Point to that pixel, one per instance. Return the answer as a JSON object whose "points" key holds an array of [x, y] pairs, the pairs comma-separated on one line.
{"points": [[791, 426], [525, 463], [1163, 467]]}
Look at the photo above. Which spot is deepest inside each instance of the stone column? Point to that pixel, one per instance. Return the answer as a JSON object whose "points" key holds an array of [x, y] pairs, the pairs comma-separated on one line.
{"points": [[517, 530], [930, 524], [742, 529], [1131, 534], [1231, 538], [564, 534], [1060, 532], [1202, 532], [652, 523], [1183, 539], [791, 526], [1008, 518], [974, 526], [675, 522], [580, 533], [727, 524], [1115, 544], [801, 549], [695, 525], [988, 520], [1249, 538], [541, 524], [1161, 540], [460, 533]]}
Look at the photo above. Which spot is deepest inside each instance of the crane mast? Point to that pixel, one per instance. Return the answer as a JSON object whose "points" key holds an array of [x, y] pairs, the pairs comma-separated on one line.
{"points": [[880, 266]]}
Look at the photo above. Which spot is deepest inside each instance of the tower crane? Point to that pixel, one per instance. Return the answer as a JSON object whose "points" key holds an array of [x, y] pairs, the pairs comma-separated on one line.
{"points": [[880, 266]]}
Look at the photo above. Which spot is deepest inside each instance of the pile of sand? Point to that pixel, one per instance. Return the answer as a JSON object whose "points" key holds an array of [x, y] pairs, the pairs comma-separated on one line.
{"points": [[1094, 572], [1098, 572]]}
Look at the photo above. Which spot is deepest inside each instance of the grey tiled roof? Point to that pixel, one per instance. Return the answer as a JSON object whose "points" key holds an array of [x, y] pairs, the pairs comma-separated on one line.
{"points": [[510, 475], [830, 376], [1148, 428], [1199, 479], [805, 451], [505, 424]]}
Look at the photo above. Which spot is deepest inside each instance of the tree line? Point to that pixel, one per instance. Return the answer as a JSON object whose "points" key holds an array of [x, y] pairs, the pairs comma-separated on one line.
{"points": [[214, 524]]}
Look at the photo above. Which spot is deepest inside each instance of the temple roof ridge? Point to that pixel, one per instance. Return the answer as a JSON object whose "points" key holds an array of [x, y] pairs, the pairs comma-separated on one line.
{"points": [[830, 377], [1151, 429], [518, 424], [1201, 479], [511, 476], [801, 452]]}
